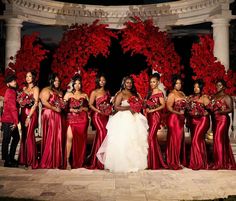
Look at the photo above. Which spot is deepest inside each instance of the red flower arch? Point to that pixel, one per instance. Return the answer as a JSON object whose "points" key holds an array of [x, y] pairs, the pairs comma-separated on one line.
{"points": [[80, 42], [142, 37], [28, 58], [206, 66]]}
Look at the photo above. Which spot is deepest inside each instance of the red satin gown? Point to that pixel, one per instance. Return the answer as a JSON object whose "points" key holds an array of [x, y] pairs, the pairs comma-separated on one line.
{"points": [[223, 154], [100, 122], [51, 150], [79, 125], [155, 158], [199, 125], [28, 150], [175, 137]]}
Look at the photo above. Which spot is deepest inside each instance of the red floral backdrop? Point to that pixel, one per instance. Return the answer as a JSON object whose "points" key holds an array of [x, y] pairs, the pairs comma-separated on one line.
{"points": [[141, 82], [28, 58], [206, 67], [142, 37], [77, 45]]}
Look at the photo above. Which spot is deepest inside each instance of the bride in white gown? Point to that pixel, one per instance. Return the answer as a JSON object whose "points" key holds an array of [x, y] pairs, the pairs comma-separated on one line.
{"points": [[125, 147]]}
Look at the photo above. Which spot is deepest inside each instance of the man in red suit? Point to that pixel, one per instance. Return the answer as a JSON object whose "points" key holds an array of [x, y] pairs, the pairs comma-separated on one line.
{"points": [[9, 123]]}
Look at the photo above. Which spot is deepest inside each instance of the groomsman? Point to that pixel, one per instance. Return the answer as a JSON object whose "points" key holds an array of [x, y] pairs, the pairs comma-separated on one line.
{"points": [[9, 123]]}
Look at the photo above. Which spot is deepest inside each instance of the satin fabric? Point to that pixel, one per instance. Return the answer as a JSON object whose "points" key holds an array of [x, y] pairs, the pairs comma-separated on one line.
{"points": [[223, 154], [100, 122], [155, 158], [51, 149], [125, 147], [28, 149], [199, 126], [175, 140], [78, 122]]}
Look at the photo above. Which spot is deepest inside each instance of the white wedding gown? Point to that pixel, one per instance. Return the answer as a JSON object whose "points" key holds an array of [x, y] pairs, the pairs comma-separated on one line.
{"points": [[125, 147]]}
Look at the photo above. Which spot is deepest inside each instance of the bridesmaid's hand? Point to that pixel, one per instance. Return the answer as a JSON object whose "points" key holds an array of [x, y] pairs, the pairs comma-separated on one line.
{"points": [[57, 109], [27, 121]]}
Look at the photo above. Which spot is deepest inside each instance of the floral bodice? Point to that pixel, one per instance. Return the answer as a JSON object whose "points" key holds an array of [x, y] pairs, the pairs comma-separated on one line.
{"points": [[25, 99], [77, 103], [154, 100]]}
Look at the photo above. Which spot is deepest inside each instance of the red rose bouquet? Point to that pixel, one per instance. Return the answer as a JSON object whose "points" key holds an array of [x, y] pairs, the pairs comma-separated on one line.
{"points": [[136, 104], [58, 102], [105, 108], [216, 105], [152, 104], [24, 99], [196, 109]]}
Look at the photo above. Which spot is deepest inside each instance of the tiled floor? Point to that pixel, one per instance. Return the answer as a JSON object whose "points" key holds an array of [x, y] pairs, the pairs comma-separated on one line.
{"points": [[99, 185]]}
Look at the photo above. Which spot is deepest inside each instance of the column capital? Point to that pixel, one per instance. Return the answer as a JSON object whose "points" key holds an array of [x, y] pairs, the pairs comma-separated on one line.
{"points": [[15, 22], [220, 22]]}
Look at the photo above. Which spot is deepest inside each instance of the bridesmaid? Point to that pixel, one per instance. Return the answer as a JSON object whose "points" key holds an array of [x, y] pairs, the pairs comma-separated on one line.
{"points": [[28, 100], [51, 150], [77, 125], [176, 104], [99, 102], [199, 125], [155, 103], [223, 105]]}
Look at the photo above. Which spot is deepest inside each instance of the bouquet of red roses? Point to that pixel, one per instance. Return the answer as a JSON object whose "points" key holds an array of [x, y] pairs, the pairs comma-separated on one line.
{"points": [[25, 100], [105, 108], [151, 104], [196, 109], [216, 105], [136, 104], [58, 102]]}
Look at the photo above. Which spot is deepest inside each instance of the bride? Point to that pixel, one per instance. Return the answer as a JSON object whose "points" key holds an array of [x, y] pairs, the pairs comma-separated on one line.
{"points": [[125, 147]]}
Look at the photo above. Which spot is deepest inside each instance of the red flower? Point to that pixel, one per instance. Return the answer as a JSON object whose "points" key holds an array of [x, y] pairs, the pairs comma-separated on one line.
{"points": [[196, 109], [25, 100], [105, 108], [58, 102], [216, 105], [141, 83], [78, 44], [142, 37], [136, 104], [76, 104], [207, 67]]}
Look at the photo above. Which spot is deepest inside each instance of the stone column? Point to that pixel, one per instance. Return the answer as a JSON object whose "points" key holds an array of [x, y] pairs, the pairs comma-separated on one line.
{"points": [[221, 39], [13, 37]]}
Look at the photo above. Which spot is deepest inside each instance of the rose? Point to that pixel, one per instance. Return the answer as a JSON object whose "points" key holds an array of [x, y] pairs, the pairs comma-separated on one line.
{"points": [[136, 104]]}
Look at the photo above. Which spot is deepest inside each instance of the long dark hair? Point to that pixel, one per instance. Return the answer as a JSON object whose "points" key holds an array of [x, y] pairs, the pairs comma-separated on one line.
{"points": [[74, 79], [133, 90]]}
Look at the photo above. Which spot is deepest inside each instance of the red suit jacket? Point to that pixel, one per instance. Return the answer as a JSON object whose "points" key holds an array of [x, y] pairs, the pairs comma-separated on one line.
{"points": [[10, 110]]}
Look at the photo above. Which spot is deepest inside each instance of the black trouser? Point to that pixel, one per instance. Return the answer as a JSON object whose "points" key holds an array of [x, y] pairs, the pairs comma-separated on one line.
{"points": [[8, 133]]}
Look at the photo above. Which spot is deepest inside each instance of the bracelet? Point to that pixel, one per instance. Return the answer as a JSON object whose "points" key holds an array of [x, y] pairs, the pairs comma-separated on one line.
{"points": [[28, 117]]}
